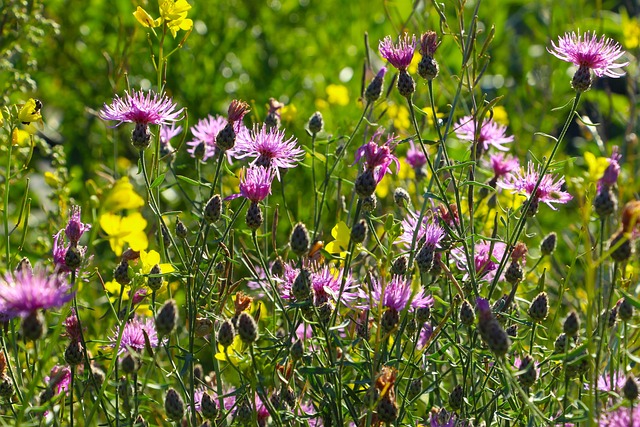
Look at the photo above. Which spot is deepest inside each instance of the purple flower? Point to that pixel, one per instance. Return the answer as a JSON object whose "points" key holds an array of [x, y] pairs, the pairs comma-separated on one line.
{"points": [[325, 284], [167, 133], [399, 55], [609, 383], [141, 108], [377, 157], [206, 131], [428, 233], [429, 43], [487, 256], [586, 51], [23, 293], [269, 147], [415, 157], [59, 250], [59, 379], [503, 165], [72, 327], [133, 335], [549, 191], [425, 335], [75, 228], [612, 172], [397, 294], [491, 133], [255, 183], [621, 417]]}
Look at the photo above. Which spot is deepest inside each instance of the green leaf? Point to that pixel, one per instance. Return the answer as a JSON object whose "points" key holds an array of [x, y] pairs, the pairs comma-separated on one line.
{"points": [[193, 181], [159, 180]]}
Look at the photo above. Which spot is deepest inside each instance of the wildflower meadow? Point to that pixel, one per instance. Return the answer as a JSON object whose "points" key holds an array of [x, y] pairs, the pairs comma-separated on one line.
{"points": [[305, 213]]}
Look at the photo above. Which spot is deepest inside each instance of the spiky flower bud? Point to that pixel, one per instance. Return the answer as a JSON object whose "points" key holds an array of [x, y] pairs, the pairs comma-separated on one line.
{"points": [[625, 310], [581, 81], [399, 266], [243, 414], [226, 138], [297, 350], [199, 151], [154, 282], [141, 136], [390, 319], [374, 90], [630, 388], [539, 308], [529, 375], [548, 244], [277, 268], [247, 328], [254, 217], [467, 315], [33, 326], [369, 203], [366, 183], [173, 405], [74, 353], [359, 231], [121, 273], [208, 407], [514, 274], [424, 258], [130, 363], [301, 287], [299, 240], [198, 372], [428, 68], [387, 409], [226, 333], [166, 237], [571, 324], [316, 123], [624, 248], [605, 202], [406, 84], [73, 257], [213, 209], [167, 318], [181, 229], [495, 337], [423, 314], [401, 197], [560, 344], [456, 397]]}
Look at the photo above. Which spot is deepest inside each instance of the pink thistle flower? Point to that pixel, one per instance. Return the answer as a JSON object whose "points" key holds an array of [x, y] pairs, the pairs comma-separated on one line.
{"points": [[429, 43], [503, 165], [428, 233], [72, 327], [269, 147], [141, 108], [59, 379], [205, 132], [133, 335], [612, 172], [550, 191], [425, 335], [24, 293], [401, 54], [59, 250], [255, 183], [610, 383], [415, 157], [397, 294], [487, 256], [621, 417], [586, 51], [167, 133], [491, 133], [325, 285], [378, 157], [75, 227]]}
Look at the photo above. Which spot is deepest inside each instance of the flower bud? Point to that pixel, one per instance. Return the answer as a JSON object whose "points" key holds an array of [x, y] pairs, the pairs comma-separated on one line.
{"points": [[141, 136], [399, 266], [213, 209], [571, 324], [154, 282], [630, 388], [247, 328], [173, 405], [254, 216], [226, 333], [74, 353], [406, 85], [548, 244], [316, 123], [359, 231], [181, 229], [167, 318], [366, 183], [539, 308], [299, 240], [121, 273], [467, 315], [208, 407], [374, 90], [456, 397]]}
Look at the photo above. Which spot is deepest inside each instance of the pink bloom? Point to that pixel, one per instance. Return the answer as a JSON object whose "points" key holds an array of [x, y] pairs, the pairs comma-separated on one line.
{"points": [[377, 157], [205, 132], [487, 256], [133, 335], [167, 133], [621, 417], [415, 157], [325, 285], [401, 54], [22, 293], [425, 335], [429, 231], [611, 174], [255, 183], [503, 165], [75, 228], [269, 147], [141, 108], [59, 379], [397, 294], [585, 50], [72, 327], [548, 192], [491, 133]]}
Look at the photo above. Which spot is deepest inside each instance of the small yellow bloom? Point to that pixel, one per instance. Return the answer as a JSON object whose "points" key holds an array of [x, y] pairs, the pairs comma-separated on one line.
{"points": [[52, 180], [122, 197], [234, 353], [145, 19], [124, 229], [500, 115], [337, 94], [288, 113], [322, 105], [596, 166], [174, 15], [21, 137], [342, 234], [30, 112], [631, 31]]}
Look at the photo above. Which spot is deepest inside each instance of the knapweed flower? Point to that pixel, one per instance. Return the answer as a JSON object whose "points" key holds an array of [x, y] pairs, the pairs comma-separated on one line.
{"points": [[255, 183], [428, 233], [587, 53], [59, 379], [397, 294], [503, 165], [612, 172], [415, 157], [607, 383], [487, 256], [141, 108], [133, 335], [401, 54], [172, 12], [377, 158], [621, 417], [549, 191], [428, 67], [23, 293], [425, 334], [489, 134], [325, 285], [205, 132], [167, 133], [269, 148], [72, 327], [68, 257], [75, 227]]}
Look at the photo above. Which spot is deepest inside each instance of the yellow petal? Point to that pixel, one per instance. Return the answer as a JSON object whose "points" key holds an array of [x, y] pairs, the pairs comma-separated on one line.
{"points": [[110, 223], [122, 197], [144, 18], [30, 112], [133, 223], [137, 240]]}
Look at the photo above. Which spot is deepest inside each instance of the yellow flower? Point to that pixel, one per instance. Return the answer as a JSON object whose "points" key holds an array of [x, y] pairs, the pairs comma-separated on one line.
{"points": [[429, 113], [124, 229], [631, 31], [322, 105], [400, 116], [596, 166], [413, 67], [337, 94], [175, 15], [145, 19], [342, 234], [21, 137], [122, 197], [234, 353], [288, 113], [30, 112], [500, 115]]}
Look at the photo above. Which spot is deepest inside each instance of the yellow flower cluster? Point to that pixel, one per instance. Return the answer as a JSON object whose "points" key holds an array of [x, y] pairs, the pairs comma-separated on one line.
{"points": [[173, 13]]}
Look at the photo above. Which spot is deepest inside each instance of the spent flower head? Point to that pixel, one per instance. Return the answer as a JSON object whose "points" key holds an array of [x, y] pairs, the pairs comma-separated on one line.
{"points": [[22, 293], [489, 134], [400, 54], [141, 108], [429, 43]]}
